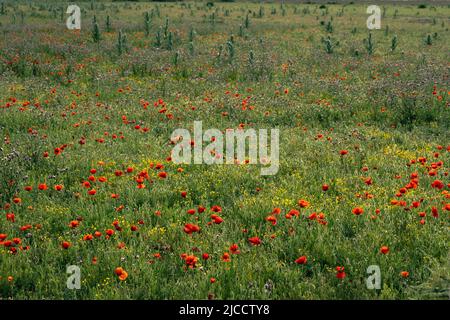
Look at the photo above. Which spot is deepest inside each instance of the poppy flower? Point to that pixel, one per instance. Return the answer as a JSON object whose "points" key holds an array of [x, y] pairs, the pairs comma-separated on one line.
{"points": [[325, 187], [121, 273], [435, 212], [191, 228], [88, 237], [59, 187], [293, 213], [301, 260], [226, 257], [272, 219], [303, 203], [191, 211], [212, 280], [205, 256], [216, 209], [357, 211], [201, 209], [66, 245], [340, 272], [276, 211], [343, 152], [255, 241], [28, 188], [191, 261], [438, 184], [234, 249], [162, 175], [183, 194], [404, 274], [74, 223], [216, 219], [118, 271], [92, 192], [384, 249], [42, 186], [10, 217]]}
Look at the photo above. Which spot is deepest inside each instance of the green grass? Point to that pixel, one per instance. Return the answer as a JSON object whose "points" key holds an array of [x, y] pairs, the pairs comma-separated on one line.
{"points": [[59, 87]]}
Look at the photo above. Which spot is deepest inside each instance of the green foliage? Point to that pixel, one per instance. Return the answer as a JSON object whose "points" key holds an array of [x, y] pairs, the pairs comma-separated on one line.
{"points": [[96, 37]]}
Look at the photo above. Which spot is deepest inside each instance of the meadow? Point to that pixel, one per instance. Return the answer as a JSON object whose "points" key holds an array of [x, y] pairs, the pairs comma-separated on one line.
{"points": [[87, 179]]}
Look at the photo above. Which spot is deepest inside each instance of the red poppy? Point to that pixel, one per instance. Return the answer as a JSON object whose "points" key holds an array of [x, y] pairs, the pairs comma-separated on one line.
{"points": [[357, 211], [404, 274], [201, 209], [216, 219], [255, 241], [88, 237], [66, 245], [191, 261], [384, 249], [191, 228], [272, 219], [226, 257], [303, 203], [234, 249], [301, 260], [162, 175], [340, 273], [42, 186], [438, 184]]}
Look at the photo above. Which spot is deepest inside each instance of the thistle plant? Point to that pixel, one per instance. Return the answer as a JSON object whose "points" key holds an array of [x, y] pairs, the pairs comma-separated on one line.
{"points": [[191, 35], [369, 44], [230, 48], [394, 43], [158, 38], [166, 28], [170, 41], [121, 42], [96, 33], [147, 24], [329, 45], [329, 27], [108, 24], [247, 21]]}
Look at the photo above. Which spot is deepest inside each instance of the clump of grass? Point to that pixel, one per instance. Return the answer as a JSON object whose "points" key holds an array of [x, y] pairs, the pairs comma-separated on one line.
{"points": [[369, 44]]}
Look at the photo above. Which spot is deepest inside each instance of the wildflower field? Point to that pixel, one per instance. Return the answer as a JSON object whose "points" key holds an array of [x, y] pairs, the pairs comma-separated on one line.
{"points": [[87, 178]]}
